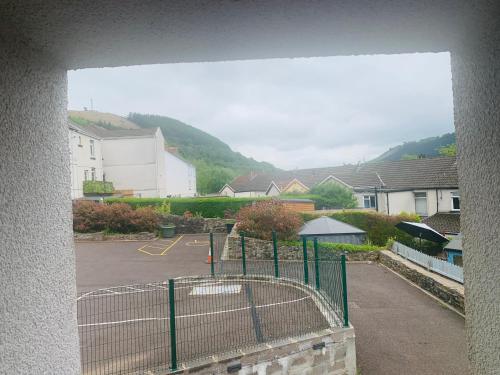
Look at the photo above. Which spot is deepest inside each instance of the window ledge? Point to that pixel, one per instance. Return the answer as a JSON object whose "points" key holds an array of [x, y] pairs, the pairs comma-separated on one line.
{"points": [[80, 145], [92, 158]]}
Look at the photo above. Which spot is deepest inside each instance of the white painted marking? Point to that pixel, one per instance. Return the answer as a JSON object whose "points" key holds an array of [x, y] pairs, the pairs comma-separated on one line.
{"points": [[207, 290], [194, 315]]}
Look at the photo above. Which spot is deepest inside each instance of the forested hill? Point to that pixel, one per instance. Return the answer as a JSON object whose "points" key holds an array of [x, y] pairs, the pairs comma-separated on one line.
{"points": [[427, 147], [216, 164]]}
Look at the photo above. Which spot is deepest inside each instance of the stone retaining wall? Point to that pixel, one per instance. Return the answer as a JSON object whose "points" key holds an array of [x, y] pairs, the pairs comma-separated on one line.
{"points": [[447, 290], [262, 250], [101, 236], [193, 225], [331, 352]]}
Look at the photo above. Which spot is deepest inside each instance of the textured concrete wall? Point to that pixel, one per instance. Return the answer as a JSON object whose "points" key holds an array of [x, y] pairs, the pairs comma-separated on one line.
{"points": [[476, 93], [120, 32], [38, 330]]}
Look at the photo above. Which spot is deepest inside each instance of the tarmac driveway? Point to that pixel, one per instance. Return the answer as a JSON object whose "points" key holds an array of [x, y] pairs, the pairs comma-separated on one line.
{"points": [[400, 329]]}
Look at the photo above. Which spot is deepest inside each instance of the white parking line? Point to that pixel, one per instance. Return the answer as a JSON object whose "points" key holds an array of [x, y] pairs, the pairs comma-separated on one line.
{"points": [[193, 315]]}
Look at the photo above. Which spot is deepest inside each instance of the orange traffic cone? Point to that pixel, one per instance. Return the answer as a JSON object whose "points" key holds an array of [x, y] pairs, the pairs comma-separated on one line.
{"points": [[209, 258]]}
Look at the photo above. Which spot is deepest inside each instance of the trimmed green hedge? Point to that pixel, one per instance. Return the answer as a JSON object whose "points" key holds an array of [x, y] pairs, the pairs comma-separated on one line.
{"points": [[206, 207], [98, 187], [138, 202], [338, 246], [378, 227]]}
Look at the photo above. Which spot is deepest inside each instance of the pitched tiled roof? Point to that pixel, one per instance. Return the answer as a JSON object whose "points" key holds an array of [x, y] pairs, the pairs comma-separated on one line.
{"points": [[444, 222], [404, 174], [100, 132]]}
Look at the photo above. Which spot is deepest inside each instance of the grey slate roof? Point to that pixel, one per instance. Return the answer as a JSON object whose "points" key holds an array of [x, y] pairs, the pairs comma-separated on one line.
{"points": [[326, 225], [444, 222], [440, 172], [455, 244], [102, 133]]}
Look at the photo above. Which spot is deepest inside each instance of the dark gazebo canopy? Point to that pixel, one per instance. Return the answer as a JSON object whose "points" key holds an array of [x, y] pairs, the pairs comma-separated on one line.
{"points": [[422, 231]]}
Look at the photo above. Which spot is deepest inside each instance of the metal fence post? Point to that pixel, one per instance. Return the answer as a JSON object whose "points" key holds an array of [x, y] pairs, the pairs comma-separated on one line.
{"points": [[212, 269], [344, 291], [275, 251], [316, 263], [243, 255], [173, 340], [306, 267]]}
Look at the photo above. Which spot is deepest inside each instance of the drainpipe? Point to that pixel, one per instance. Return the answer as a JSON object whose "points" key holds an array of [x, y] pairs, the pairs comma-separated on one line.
{"points": [[387, 196], [376, 199], [437, 201]]}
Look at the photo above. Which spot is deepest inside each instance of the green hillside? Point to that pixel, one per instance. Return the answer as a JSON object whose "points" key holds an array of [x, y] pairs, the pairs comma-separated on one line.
{"points": [[427, 147], [216, 164]]}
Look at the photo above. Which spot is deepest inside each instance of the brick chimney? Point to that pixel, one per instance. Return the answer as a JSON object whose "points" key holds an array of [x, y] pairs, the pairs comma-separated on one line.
{"points": [[173, 150]]}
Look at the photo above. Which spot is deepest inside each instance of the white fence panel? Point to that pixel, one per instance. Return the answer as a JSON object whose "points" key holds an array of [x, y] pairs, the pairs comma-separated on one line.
{"points": [[440, 266]]}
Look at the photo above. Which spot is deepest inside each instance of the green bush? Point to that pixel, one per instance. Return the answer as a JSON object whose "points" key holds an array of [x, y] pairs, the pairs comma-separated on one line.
{"points": [[336, 247], [138, 202], [89, 216], [98, 187], [260, 219], [378, 227], [206, 207]]}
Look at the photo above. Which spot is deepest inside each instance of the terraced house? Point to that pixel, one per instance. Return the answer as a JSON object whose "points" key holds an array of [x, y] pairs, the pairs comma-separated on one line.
{"points": [[422, 186], [135, 161]]}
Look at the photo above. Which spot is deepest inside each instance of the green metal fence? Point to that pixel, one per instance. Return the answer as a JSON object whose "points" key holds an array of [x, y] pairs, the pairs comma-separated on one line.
{"points": [[153, 328], [326, 271]]}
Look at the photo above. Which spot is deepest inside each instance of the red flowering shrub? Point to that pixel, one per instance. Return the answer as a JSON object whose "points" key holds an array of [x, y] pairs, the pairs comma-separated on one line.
{"points": [[90, 216], [261, 218]]}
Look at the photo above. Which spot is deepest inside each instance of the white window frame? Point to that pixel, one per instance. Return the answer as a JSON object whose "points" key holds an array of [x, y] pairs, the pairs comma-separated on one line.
{"points": [[371, 201], [85, 175], [455, 195], [92, 148], [421, 198]]}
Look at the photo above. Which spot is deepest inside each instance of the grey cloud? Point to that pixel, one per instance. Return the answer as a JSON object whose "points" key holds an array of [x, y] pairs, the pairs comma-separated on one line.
{"points": [[292, 112]]}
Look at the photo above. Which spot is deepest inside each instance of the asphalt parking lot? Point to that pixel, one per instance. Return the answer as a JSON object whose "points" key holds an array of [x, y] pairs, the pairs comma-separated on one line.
{"points": [[102, 264], [399, 329]]}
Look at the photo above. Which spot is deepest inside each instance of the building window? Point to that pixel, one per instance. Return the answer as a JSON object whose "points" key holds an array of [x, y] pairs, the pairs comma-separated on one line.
{"points": [[92, 148], [455, 201], [369, 201], [85, 175], [80, 141], [93, 174], [421, 204]]}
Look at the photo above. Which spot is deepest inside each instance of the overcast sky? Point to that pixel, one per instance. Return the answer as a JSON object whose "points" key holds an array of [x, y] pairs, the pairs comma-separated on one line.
{"points": [[294, 113]]}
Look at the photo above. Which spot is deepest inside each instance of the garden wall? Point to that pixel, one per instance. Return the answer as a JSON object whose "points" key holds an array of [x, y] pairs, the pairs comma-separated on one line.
{"points": [[192, 225], [331, 351], [261, 249]]}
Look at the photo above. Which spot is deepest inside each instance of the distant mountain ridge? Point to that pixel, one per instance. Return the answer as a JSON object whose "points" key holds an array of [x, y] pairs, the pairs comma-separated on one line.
{"points": [[216, 163], [427, 147]]}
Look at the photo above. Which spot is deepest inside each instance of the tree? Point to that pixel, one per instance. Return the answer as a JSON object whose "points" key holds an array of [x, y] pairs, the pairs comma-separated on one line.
{"points": [[334, 195], [211, 178], [450, 150]]}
